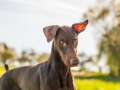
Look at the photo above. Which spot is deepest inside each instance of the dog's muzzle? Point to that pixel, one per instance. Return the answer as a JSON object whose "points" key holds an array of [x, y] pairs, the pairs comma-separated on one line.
{"points": [[74, 62]]}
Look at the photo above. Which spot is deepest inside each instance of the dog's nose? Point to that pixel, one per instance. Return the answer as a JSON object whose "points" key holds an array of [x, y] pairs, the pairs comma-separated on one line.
{"points": [[74, 62]]}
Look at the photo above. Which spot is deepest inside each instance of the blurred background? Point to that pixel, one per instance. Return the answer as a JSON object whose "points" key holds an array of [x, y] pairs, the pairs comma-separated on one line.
{"points": [[22, 41]]}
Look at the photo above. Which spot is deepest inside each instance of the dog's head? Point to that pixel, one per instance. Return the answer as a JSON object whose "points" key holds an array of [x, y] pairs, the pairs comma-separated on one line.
{"points": [[66, 41]]}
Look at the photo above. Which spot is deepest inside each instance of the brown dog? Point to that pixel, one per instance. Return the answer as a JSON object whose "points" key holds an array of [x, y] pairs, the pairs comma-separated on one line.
{"points": [[54, 74]]}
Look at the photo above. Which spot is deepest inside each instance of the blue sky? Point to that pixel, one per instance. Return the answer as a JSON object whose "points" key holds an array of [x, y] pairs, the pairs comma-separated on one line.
{"points": [[22, 22]]}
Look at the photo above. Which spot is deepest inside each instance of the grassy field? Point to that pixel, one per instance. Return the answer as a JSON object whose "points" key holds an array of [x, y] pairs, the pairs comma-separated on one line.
{"points": [[96, 82], [2, 70]]}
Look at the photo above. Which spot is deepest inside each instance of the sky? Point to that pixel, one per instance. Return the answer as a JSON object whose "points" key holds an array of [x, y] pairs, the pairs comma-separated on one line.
{"points": [[22, 23]]}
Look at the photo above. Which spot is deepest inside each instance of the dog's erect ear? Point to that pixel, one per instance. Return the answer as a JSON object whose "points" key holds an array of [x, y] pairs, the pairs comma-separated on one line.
{"points": [[50, 32], [79, 27]]}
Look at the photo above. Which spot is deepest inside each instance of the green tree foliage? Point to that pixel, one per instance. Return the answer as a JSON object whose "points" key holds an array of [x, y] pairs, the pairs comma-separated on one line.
{"points": [[7, 54], [32, 56], [24, 57], [105, 17], [43, 57], [27, 56]]}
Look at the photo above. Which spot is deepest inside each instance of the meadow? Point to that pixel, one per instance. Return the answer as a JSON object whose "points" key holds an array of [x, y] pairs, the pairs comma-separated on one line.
{"points": [[95, 82]]}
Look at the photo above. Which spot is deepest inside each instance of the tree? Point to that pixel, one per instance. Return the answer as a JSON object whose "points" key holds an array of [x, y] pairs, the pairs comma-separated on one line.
{"points": [[32, 56], [105, 17], [87, 59], [24, 57], [43, 57], [7, 54], [27, 56]]}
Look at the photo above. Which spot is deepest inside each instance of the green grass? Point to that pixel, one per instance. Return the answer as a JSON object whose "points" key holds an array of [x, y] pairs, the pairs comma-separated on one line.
{"points": [[2, 70], [97, 81]]}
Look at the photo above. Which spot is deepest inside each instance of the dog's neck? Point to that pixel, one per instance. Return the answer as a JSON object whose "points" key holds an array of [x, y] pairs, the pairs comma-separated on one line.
{"points": [[56, 60], [58, 65]]}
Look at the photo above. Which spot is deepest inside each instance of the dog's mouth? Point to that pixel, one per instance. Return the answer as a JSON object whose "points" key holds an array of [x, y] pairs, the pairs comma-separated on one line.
{"points": [[71, 65], [75, 65], [74, 62]]}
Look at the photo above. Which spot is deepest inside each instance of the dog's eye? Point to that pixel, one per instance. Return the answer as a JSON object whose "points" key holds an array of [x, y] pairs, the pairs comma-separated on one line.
{"points": [[63, 43]]}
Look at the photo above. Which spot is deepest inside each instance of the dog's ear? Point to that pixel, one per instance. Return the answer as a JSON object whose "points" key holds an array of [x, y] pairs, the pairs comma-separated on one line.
{"points": [[79, 27], [50, 32]]}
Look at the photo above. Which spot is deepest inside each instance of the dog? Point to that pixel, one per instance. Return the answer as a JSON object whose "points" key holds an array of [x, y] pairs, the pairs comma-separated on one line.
{"points": [[55, 73]]}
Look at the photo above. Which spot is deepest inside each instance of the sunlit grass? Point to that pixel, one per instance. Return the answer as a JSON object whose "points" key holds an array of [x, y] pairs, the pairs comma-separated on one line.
{"points": [[2, 70], [97, 83]]}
